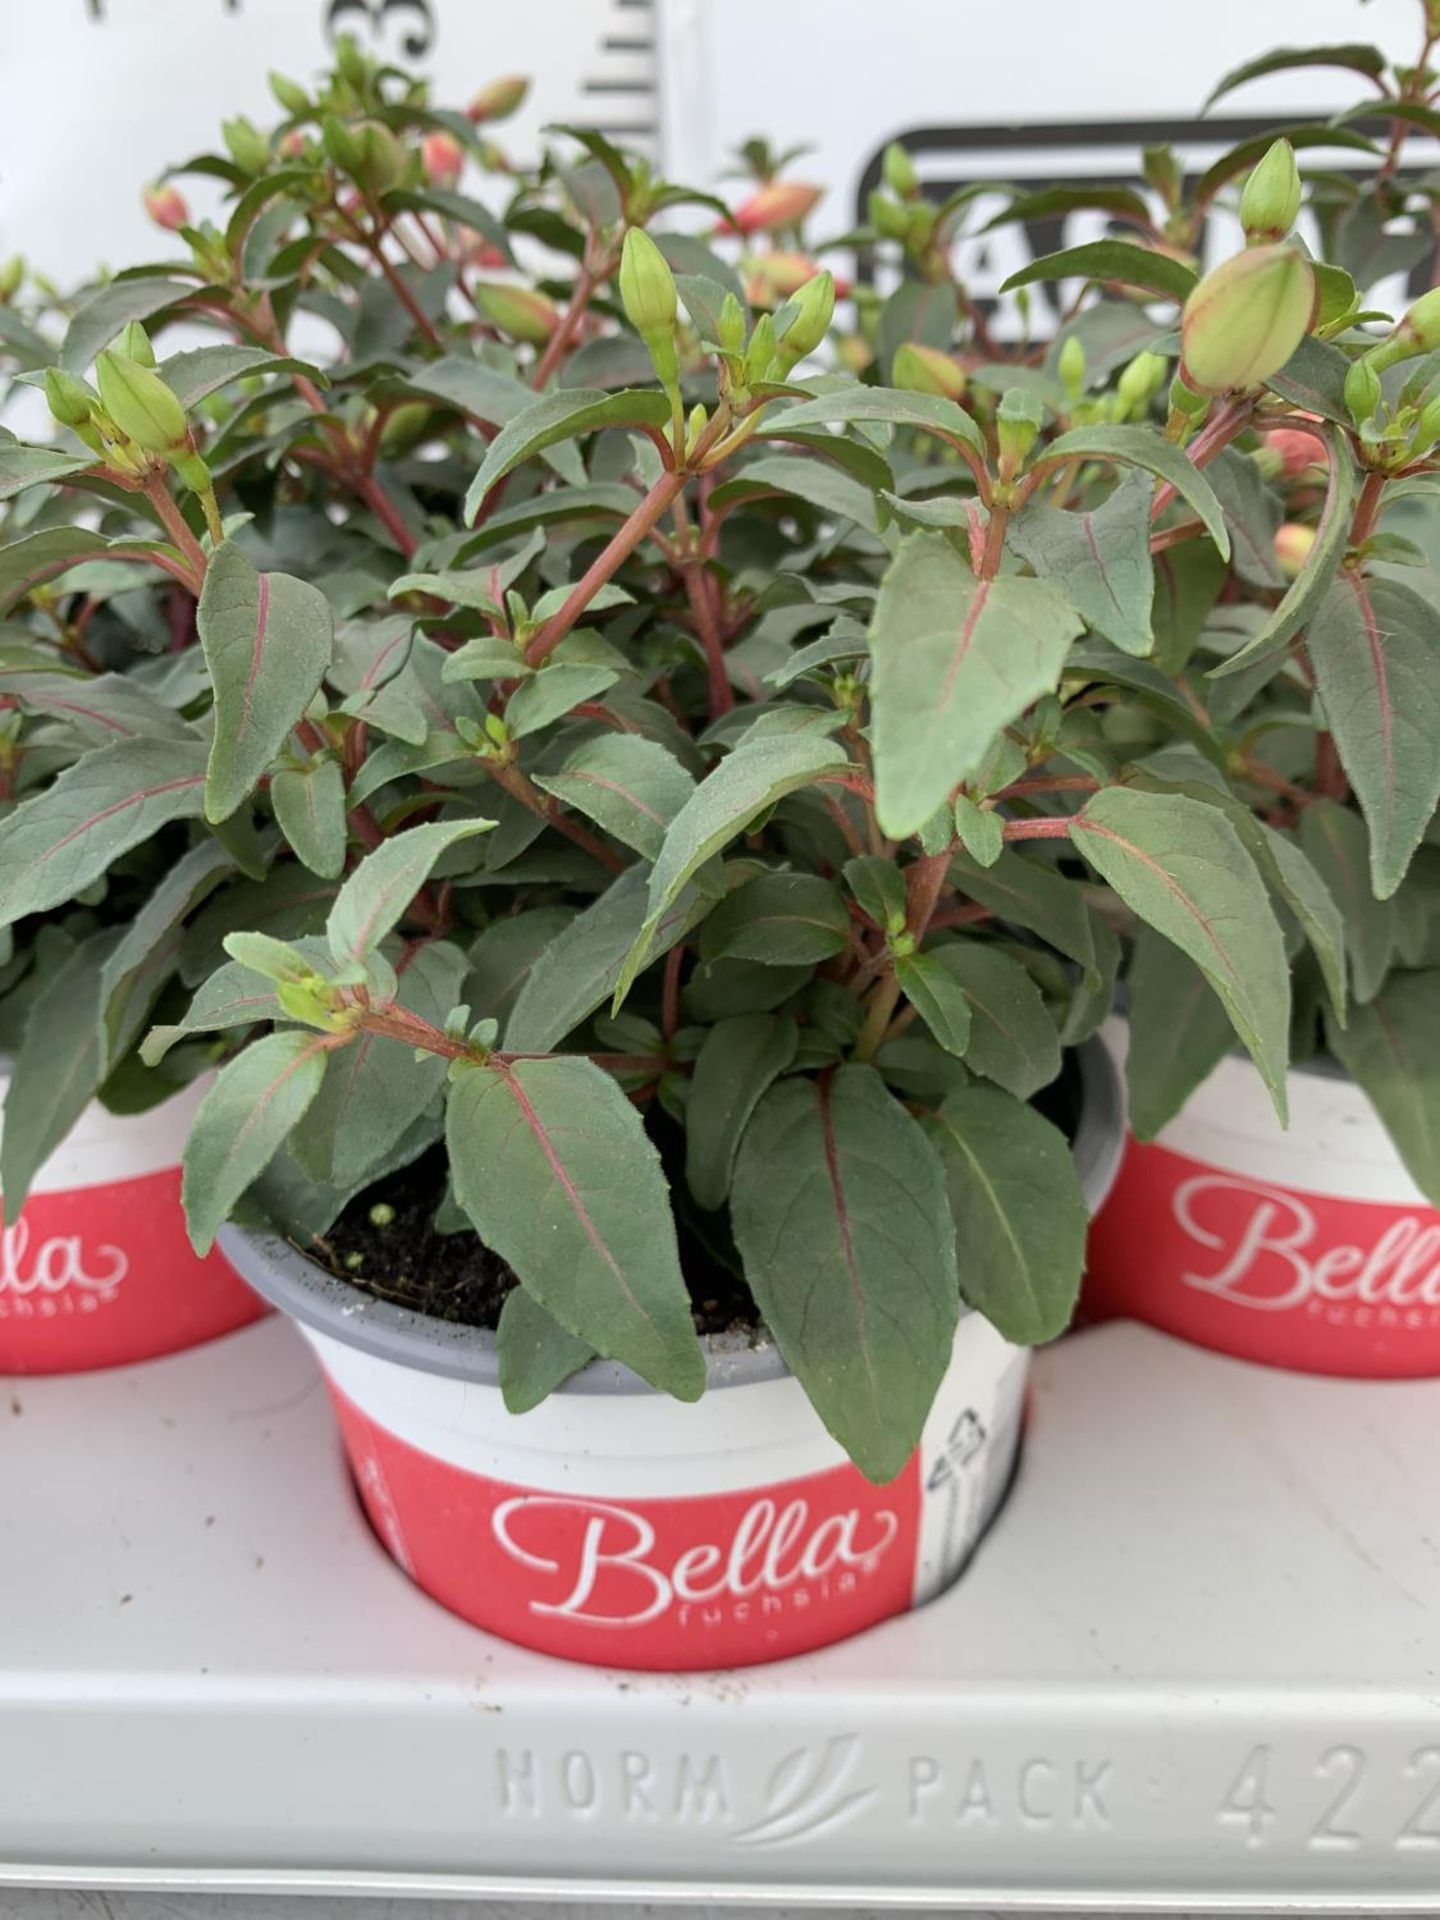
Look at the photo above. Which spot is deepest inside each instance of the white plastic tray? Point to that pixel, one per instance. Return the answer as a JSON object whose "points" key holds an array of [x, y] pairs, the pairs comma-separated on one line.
{"points": [[1196, 1666]]}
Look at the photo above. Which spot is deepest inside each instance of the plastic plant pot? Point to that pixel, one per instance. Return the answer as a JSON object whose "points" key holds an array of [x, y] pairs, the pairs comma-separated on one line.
{"points": [[1310, 1249], [98, 1271], [618, 1527]]}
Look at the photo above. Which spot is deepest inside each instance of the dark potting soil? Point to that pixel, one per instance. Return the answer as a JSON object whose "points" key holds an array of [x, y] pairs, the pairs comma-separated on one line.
{"points": [[386, 1241]]}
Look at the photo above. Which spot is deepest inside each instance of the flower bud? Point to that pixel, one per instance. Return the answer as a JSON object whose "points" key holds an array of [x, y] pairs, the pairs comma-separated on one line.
{"points": [[1246, 318], [921, 369], [134, 343], [343, 143], [696, 424], [888, 217], [69, 400], [249, 148], [1362, 391], [289, 94], [898, 171], [499, 100], [381, 160], [731, 326], [443, 157], [647, 287], [1071, 366], [810, 312], [1297, 449], [166, 207], [140, 403], [294, 144], [405, 428], [760, 355], [1163, 172], [516, 311], [1418, 332], [350, 62], [1018, 420], [775, 206], [1292, 547], [1141, 380], [775, 276], [855, 354], [1270, 204]]}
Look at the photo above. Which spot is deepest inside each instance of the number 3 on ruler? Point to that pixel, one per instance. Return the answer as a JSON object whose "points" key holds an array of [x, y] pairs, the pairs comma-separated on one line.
{"points": [[382, 16]]}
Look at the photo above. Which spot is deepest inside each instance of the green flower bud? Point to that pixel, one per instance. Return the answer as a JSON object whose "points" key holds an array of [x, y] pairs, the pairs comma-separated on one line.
{"points": [[1246, 318], [1164, 172], [12, 277], [499, 100], [1418, 332], [647, 288], [1018, 420], [290, 95], [732, 325], [898, 171], [888, 217], [1362, 392], [381, 159], [1071, 366], [249, 148], [1427, 427], [516, 311], [695, 426], [760, 355], [140, 403], [1270, 204], [69, 400], [1141, 380], [810, 312], [350, 62], [134, 343], [920, 369], [343, 144], [405, 428]]}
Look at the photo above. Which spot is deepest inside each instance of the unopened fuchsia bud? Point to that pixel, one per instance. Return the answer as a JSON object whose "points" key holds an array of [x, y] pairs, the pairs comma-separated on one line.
{"points": [[443, 156], [898, 171], [1418, 332], [499, 100], [249, 148], [1363, 392], [775, 276], [140, 403], [1141, 380], [647, 291], [1018, 420], [134, 343], [516, 311], [773, 208], [70, 401], [803, 322], [12, 278], [1071, 366], [1297, 449], [921, 369], [1292, 547], [289, 94], [166, 207], [381, 158], [1246, 318], [1270, 204], [477, 251]]}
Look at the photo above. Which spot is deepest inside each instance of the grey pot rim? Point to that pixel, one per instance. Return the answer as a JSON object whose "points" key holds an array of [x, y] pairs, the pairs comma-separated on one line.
{"points": [[322, 1302]]}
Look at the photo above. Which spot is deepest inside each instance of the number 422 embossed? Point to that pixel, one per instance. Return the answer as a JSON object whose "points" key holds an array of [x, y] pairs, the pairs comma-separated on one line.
{"points": [[1349, 1802]]}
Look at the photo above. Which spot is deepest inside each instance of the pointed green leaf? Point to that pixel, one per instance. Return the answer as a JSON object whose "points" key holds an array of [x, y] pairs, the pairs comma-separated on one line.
{"points": [[1336, 842], [739, 1061], [24, 563], [891, 406], [553, 1166], [535, 1352], [1026, 892], [780, 920], [562, 415], [840, 1214], [231, 997], [1392, 1047], [1357, 58], [149, 951], [1100, 559], [104, 707], [938, 996], [110, 309], [375, 897], [1179, 1032], [22, 466], [1143, 447], [1119, 260], [267, 640], [1012, 1040], [309, 805], [55, 845], [258, 1098], [629, 786], [502, 957], [1375, 648], [1018, 1208], [56, 1071], [1180, 865], [955, 659]]}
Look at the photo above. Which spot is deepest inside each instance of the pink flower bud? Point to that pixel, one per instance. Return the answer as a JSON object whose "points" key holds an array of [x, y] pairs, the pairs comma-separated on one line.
{"points": [[166, 207], [477, 251], [1298, 449], [1292, 547], [773, 277], [444, 157], [776, 205], [499, 100], [293, 144]]}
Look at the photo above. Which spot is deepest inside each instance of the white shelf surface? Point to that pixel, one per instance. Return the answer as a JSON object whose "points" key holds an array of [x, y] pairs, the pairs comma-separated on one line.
{"points": [[1195, 1667]]}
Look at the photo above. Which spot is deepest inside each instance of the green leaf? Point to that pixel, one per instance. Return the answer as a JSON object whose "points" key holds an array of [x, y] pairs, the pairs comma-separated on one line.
{"points": [[938, 996], [955, 659], [1375, 648], [553, 691], [629, 786], [1119, 260], [1357, 58], [535, 1352], [739, 1060], [1179, 1032], [814, 481], [377, 894], [258, 1099], [22, 466], [840, 1214], [309, 805], [879, 889], [583, 965], [55, 845], [56, 1071], [1392, 1047], [563, 415], [1308, 590], [779, 919], [110, 310], [1338, 846], [1143, 447], [502, 957], [1012, 1040], [267, 640], [1100, 559], [24, 563], [1180, 865], [149, 950], [746, 782], [231, 997], [193, 376], [1303, 890], [553, 1166], [1252, 513], [1019, 1212], [462, 208], [1313, 379], [930, 412], [376, 1089], [1045, 202], [1026, 892], [1240, 159], [104, 707]]}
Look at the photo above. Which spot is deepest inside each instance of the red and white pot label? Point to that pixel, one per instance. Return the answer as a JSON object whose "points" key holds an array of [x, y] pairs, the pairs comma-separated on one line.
{"points": [[1310, 1249], [638, 1552], [98, 1270]]}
